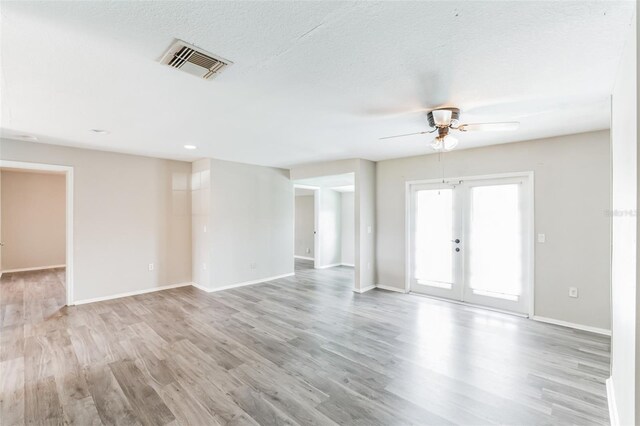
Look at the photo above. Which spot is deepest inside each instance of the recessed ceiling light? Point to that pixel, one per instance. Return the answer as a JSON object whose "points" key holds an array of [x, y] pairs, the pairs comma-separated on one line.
{"points": [[100, 131], [190, 147]]}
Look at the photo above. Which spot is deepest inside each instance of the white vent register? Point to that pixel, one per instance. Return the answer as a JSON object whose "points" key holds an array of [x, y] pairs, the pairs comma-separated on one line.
{"points": [[193, 60]]}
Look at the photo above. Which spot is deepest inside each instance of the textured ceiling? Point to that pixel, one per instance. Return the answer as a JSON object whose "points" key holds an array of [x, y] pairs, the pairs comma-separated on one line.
{"points": [[311, 81]]}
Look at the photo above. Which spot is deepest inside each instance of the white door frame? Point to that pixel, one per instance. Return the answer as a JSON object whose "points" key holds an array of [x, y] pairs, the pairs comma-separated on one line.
{"points": [[530, 207], [316, 222], [68, 171]]}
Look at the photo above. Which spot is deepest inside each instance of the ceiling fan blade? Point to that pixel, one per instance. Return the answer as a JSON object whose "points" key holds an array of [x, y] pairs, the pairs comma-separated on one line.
{"points": [[490, 127], [407, 134], [394, 112]]}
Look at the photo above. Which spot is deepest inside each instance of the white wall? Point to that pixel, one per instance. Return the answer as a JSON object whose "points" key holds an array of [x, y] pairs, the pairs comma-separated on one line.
{"points": [[348, 229], [329, 228], [571, 199], [128, 212], [33, 216], [250, 223], [624, 362], [304, 233]]}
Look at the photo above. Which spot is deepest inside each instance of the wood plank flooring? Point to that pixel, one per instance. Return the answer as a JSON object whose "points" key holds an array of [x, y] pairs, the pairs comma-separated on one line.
{"points": [[301, 350]]}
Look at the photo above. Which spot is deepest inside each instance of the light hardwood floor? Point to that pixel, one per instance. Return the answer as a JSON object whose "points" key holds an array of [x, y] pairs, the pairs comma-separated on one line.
{"points": [[301, 350]]}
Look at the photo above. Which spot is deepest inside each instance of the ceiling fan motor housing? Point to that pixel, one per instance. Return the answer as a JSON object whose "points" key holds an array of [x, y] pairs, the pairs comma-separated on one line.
{"points": [[455, 114]]}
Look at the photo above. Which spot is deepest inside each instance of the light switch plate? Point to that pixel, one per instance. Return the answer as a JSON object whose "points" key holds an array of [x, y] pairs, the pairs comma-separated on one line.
{"points": [[542, 238], [573, 291], [151, 266]]}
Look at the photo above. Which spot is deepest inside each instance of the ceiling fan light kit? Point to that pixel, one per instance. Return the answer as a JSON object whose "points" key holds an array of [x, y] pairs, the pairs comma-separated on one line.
{"points": [[443, 120], [444, 143], [443, 117]]}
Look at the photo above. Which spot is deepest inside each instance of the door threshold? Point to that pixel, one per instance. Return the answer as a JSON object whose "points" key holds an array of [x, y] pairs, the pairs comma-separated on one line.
{"points": [[471, 305]]}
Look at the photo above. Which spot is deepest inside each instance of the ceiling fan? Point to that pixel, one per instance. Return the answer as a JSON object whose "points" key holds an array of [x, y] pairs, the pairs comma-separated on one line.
{"points": [[443, 120]]}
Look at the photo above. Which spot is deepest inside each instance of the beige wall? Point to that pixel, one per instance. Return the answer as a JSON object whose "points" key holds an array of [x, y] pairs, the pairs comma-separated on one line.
{"points": [[251, 223], [129, 211], [33, 219], [304, 226], [572, 196], [200, 220], [242, 223], [329, 227], [365, 223]]}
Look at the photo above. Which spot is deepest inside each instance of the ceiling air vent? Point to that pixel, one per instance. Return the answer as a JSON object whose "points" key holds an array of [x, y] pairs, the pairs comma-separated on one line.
{"points": [[188, 58]]}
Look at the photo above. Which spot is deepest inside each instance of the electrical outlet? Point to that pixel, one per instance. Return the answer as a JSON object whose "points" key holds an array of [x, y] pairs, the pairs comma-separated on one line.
{"points": [[573, 291], [542, 238], [151, 266]]}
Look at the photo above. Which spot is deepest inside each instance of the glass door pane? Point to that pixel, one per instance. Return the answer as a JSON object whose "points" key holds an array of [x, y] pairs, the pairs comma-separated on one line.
{"points": [[494, 247], [433, 227]]}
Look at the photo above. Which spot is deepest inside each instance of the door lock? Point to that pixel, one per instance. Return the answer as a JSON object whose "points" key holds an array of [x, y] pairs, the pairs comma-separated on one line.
{"points": [[457, 248], [457, 241]]}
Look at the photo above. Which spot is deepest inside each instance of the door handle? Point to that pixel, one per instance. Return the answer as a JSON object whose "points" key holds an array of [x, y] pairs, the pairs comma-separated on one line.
{"points": [[457, 249], [457, 241]]}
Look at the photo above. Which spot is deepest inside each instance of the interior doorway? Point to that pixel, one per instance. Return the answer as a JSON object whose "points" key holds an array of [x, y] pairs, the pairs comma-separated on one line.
{"points": [[470, 240], [324, 235], [305, 226], [36, 223]]}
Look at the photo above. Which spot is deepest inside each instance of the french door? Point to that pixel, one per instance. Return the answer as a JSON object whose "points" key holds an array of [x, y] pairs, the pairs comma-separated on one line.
{"points": [[469, 240]]}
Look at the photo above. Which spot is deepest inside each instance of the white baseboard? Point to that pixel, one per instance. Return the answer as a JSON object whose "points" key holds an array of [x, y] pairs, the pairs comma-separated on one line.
{"points": [[130, 293], [348, 264], [389, 288], [365, 289], [228, 287], [572, 325], [36, 268], [534, 317], [328, 266], [199, 287], [611, 399], [303, 257]]}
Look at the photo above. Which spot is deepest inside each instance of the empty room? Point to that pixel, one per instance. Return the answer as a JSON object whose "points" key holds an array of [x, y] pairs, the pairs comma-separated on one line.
{"points": [[353, 213]]}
